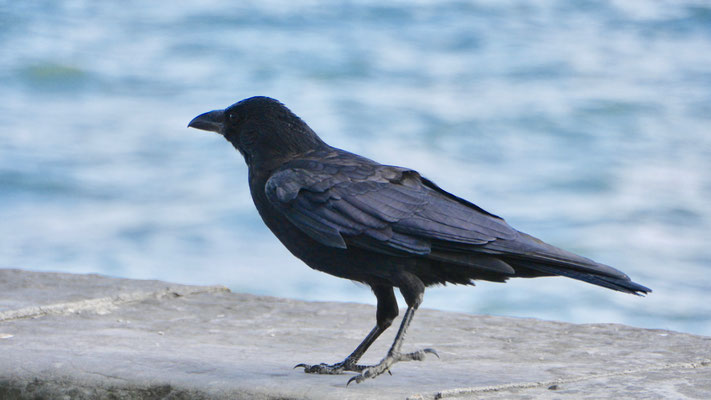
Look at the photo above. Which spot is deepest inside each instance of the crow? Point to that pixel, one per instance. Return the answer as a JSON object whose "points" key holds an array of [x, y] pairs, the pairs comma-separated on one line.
{"points": [[385, 226]]}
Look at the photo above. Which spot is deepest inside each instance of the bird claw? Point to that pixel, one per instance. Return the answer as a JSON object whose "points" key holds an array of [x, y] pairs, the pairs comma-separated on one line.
{"points": [[358, 378], [431, 351], [383, 366]]}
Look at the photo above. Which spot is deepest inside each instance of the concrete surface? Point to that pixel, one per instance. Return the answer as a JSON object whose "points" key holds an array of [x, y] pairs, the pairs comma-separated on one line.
{"points": [[66, 336]]}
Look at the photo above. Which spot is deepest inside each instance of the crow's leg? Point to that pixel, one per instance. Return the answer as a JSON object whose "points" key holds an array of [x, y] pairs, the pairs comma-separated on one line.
{"points": [[413, 291], [386, 313]]}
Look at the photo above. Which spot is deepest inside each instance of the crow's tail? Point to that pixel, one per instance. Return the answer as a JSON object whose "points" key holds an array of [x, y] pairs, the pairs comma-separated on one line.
{"points": [[622, 284], [532, 257]]}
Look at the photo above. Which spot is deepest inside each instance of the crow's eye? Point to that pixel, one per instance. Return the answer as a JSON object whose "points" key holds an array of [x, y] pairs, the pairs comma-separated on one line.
{"points": [[232, 117]]}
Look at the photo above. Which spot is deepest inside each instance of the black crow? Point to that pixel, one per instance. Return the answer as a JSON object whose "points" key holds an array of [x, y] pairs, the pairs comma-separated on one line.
{"points": [[381, 225]]}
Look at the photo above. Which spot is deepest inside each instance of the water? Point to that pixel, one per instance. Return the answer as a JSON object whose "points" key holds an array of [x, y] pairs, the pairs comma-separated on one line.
{"points": [[584, 123]]}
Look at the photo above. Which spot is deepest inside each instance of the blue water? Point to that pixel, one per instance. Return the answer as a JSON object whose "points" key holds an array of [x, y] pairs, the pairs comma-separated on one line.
{"points": [[587, 124]]}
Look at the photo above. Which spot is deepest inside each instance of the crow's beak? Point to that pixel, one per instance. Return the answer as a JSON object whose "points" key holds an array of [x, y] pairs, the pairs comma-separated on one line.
{"points": [[210, 121]]}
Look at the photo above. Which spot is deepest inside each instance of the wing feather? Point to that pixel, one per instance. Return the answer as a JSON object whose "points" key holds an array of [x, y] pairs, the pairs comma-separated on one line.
{"points": [[376, 207]]}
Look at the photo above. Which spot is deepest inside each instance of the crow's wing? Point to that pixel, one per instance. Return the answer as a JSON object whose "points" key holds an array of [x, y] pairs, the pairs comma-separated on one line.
{"points": [[384, 208], [344, 200]]}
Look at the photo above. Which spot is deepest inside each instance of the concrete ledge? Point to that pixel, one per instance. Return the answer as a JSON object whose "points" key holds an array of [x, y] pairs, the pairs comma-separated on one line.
{"points": [[88, 336]]}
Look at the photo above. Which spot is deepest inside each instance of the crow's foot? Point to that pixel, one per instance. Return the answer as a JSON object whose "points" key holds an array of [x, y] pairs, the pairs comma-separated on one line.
{"points": [[374, 370], [332, 369]]}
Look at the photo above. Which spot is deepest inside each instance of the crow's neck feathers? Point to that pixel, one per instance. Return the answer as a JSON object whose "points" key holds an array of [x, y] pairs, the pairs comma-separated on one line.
{"points": [[268, 134]]}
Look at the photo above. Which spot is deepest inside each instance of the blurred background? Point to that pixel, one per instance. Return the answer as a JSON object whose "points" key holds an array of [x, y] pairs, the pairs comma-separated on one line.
{"points": [[586, 123]]}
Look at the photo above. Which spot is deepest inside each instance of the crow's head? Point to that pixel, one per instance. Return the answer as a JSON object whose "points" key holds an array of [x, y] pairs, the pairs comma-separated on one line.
{"points": [[262, 129]]}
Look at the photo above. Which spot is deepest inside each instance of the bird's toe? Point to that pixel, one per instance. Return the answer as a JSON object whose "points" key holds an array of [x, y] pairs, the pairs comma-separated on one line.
{"points": [[372, 371], [418, 355], [331, 369]]}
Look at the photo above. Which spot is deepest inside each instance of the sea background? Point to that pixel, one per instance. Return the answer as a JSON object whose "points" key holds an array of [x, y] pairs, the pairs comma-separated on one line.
{"points": [[585, 123]]}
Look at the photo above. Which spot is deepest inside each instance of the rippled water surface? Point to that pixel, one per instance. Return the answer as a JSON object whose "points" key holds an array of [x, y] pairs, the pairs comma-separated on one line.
{"points": [[587, 124]]}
